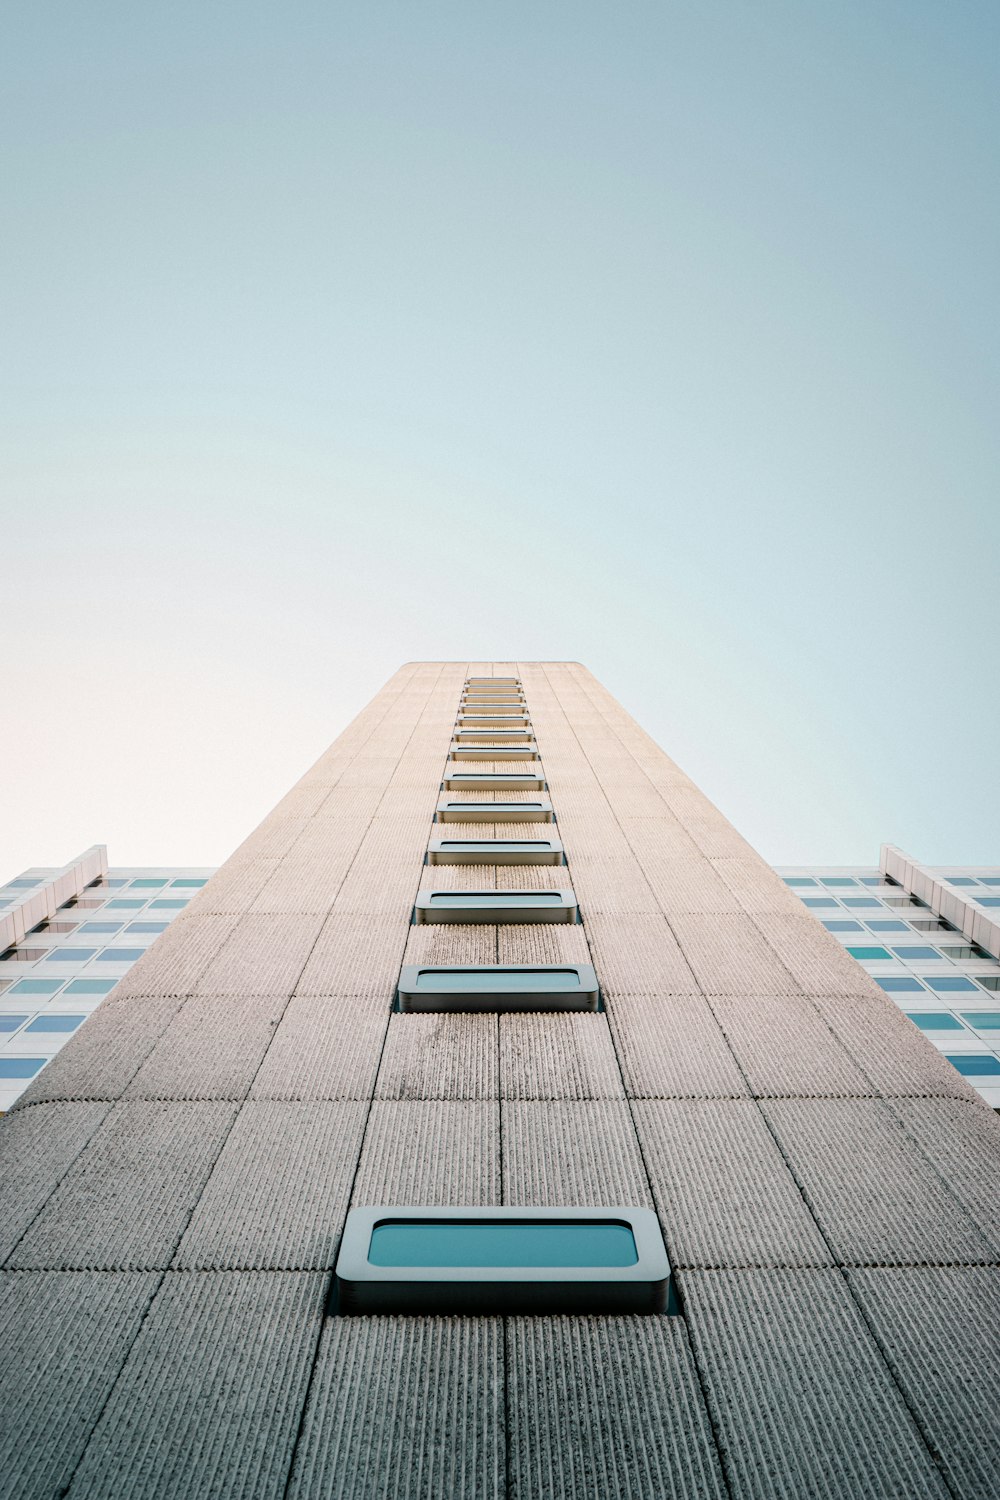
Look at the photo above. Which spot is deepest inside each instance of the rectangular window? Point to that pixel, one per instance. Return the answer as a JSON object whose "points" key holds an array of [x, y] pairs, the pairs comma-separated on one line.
{"points": [[982, 1020], [495, 852], [20, 1067], [495, 906], [452, 811], [489, 781], [546, 1261], [499, 987], [36, 986], [11, 1023], [976, 1065], [870, 955], [843, 927], [90, 986], [70, 955], [897, 985], [887, 927], [799, 880], [54, 1024], [493, 736], [120, 955], [459, 751], [949, 984], [916, 951], [934, 1020], [818, 903]]}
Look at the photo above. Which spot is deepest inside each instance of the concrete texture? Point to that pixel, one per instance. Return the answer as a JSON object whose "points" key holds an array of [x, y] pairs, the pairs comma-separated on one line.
{"points": [[175, 1183]]}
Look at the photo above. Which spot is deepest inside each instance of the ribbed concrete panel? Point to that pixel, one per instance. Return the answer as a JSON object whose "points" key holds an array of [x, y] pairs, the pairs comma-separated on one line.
{"points": [[889, 1049], [463, 877], [38, 1147], [940, 1330], [730, 957], [877, 1198], [784, 1046], [606, 885], [381, 885], [406, 1407], [655, 838], [757, 889], [264, 955], [303, 801], [801, 1399], [271, 840], [687, 885], [430, 1152], [607, 1407], [344, 813], [447, 943], [963, 1141], [210, 1050], [542, 943], [356, 956], [278, 1192], [304, 884], [79, 1321], [819, 964], [233, 889], [439, 1057], [100, 1060], [325, 1047], [722, 1189], [571, 1152], [638, 955], [532, 877], [672, 1047], [558, 1057], [178, 958], [126, 1200], [712, 835], [214, 1385]]}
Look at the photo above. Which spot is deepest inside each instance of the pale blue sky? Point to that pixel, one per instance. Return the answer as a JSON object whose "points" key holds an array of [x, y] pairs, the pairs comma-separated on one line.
{"points": [[662, 337]]}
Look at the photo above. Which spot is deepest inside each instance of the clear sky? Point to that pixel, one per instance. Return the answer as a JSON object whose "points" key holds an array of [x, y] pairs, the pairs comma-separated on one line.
{"points": [[658, 336]]}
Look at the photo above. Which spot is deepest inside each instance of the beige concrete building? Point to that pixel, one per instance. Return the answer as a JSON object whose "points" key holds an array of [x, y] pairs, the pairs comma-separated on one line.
{"points": [[599, 1014]]}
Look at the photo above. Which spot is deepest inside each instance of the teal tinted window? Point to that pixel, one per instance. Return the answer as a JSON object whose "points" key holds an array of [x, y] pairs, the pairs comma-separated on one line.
{"points": [[485, 980], [165, 905], [11, 1023], [887, 927], [502, 1243], [870, 954], [934, 1020], [843, 927], [988, 900], [960, 880], [20, 1067], [916, 951], [125, 903], [799, 880], [859, 901], [188, 882], [976, 1067], [840, 880], [121, 955], [90, 986], [893, 984], [486, 899], [982, 1020], [70, 955], [947, 984], [819, 901], [147, 884], [55, 1023], [36, 986]]}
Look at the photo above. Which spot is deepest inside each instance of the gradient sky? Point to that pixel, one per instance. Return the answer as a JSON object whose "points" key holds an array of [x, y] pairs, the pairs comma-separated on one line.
{"points": [[658, 336]]}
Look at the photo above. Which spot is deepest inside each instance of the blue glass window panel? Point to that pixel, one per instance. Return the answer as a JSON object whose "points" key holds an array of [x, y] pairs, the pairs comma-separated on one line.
{"points": [[70, 955], [971, 1066], [860, 901], [11, 1023], [991, 880], [960, 880], [988, 900], [799, 880], [485, 980], [894, 985], [125, 903], [20, 1067], [819, 901], [146, 927], [502, 1243], [934, 1020], [486, 899], [120, 955], [23, 882], [871, 880], [36, 986], [843, 927], [840, 880], [100, 927], [188, 882], [946, 984], [869, 955], [147, 884], [116, 883], [887, 927], [916, 951], [90, 986], [55, 1023], [982, 1020], [167, 905]]}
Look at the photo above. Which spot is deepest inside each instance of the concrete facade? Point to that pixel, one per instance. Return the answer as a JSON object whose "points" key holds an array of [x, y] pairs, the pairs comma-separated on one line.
{"points": [[176, 1180]]}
